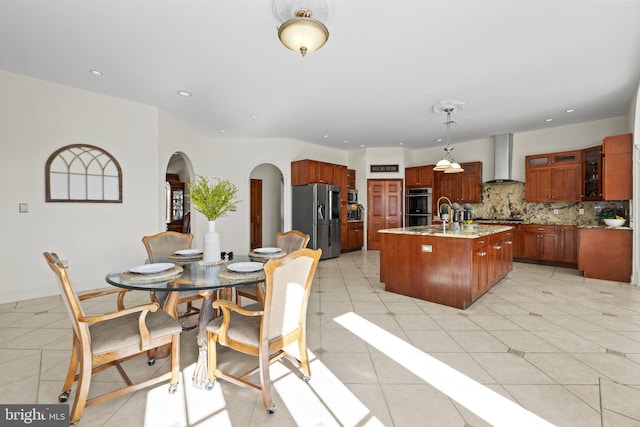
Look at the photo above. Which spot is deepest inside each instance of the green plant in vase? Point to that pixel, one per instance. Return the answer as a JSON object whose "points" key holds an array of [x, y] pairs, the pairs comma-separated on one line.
{"points": [[213, 200]]}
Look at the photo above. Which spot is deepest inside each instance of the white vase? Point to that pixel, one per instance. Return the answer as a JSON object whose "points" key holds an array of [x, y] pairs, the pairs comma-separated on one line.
{"points": [[211, 251]]}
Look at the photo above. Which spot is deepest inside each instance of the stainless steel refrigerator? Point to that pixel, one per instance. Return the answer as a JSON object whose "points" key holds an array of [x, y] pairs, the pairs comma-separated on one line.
{"points": [[316, 212]]}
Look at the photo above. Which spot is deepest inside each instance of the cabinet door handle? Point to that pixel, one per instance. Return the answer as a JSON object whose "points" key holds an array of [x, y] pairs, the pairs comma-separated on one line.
{"points": [[508, 242], [497, 248]]}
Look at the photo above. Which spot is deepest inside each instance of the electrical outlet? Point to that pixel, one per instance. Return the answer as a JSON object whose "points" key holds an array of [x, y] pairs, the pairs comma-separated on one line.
{"points": [[580, 211], [23, 207], [555, 211], [427, 248]]}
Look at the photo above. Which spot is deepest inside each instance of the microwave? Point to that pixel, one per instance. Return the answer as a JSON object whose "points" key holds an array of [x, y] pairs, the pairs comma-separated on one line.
{"points": [[352, 196]]}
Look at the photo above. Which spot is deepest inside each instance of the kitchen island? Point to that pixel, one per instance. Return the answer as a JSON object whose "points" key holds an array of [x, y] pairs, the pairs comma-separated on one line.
{"points": [[447, 267]]}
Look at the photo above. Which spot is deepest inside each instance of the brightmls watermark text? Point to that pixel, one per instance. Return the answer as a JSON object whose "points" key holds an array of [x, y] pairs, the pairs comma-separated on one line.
{"points": [[34, 415]]}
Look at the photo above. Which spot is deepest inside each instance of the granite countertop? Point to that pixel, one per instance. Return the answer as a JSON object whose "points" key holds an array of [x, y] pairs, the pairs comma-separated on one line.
{"points": [[355, 220], [466, 232], [520, 221]]}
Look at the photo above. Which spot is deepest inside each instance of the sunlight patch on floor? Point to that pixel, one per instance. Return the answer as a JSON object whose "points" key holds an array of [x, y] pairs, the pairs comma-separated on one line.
{"points": [[324, 400], [188, 406], [484, 402]]}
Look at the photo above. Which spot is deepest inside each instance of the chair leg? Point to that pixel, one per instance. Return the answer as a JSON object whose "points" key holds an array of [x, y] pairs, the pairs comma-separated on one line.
{"points": [[175, 364], [71, 373], [212, 358], [84, 381], [265, 381], [304, 358]]}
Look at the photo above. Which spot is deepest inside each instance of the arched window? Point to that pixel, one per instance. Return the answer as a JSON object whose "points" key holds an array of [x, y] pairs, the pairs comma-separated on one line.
{"points": [[83, 173]]}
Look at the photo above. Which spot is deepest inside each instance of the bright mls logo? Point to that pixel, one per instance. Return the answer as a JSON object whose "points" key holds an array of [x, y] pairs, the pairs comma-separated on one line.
{"points": [[34, 415]]}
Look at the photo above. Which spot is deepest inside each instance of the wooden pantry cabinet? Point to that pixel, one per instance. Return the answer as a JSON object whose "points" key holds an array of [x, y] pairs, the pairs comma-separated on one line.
{"points": [[617, 167], [554, 177]]}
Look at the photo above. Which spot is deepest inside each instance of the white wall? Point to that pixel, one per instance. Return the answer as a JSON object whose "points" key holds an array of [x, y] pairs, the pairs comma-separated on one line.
{"points": [[37, 118]]}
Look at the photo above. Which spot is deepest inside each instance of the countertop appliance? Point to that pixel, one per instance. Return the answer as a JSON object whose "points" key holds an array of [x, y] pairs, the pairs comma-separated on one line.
{"points": [[355, 212], [316, 212], [418, 207]]}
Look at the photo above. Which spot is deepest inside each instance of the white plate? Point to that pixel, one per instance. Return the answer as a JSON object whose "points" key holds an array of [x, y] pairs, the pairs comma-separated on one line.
{"points": [[189, 252], [245, 267], [152, 268], [267, 250]]}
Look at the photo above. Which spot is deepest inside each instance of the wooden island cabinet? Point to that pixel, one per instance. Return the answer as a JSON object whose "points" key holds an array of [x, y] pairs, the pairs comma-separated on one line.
{"points": [[452, 268], [599, 258]]}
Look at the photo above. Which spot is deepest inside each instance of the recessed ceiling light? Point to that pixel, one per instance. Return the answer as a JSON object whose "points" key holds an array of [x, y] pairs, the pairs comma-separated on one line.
{"points": [[570, 110], [223, 130], [253, 116], [345, 141], [439, 140], [402, 143], [361, 145], [184, 93], [548, 120], [96, 72], [326, 136]]}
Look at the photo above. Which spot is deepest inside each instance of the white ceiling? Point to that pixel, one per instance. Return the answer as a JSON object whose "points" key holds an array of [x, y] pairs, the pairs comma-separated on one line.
{"points": [[515, 63]]}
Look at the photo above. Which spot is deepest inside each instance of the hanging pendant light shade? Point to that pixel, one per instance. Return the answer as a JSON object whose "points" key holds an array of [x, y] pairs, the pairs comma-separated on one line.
{"points": [[303, 34]]}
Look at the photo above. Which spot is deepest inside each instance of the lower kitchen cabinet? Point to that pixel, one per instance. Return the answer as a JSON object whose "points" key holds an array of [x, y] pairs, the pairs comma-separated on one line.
{"points": [[551, 243], [355, 237], [539, 242], [605, 253]]}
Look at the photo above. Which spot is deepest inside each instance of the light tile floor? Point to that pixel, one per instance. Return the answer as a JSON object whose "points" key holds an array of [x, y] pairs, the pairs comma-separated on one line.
{"points": [[561, 346]]}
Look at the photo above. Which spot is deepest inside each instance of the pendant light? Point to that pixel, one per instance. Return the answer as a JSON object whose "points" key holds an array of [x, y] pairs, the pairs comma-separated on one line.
{"points": [[448, 164]]}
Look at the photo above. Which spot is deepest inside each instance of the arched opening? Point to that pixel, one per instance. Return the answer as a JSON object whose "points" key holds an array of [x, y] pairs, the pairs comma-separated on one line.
{"points": [[266, 205], [179, 174]]}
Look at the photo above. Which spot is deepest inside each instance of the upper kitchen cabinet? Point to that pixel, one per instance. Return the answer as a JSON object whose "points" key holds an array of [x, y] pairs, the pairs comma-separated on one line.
{"points": [[305, 172], [419, 177], [462, 187], [617, 167], [554, 177], [592, 173], [351, 179]]}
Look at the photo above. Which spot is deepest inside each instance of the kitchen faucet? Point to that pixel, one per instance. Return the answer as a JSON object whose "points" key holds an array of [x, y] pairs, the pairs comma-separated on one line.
{"points": [[449, 211]]}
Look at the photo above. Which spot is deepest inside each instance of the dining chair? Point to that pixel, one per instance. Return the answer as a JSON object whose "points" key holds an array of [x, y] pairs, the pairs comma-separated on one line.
{"points": [[265, 330], [103, 341], [288, 241], [162, 245]]}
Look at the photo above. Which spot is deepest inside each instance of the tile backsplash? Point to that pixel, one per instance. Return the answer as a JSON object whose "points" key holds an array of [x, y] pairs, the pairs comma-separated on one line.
{"points": [[506, 201]]}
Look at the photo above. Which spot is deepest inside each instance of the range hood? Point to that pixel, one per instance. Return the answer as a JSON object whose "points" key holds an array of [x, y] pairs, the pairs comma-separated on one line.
{"points": [[503, 157]]}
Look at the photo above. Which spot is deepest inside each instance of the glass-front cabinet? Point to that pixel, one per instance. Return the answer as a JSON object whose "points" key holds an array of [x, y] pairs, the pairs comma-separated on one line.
{"points": [[592, 173], [175, 202]]}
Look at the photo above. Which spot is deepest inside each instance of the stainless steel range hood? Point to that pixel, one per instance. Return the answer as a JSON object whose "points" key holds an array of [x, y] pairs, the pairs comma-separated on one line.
{"points": [[503, 158]]}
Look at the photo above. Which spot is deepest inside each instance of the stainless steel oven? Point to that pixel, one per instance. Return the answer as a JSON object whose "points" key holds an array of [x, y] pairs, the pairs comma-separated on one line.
{"points": [[418, 207]]}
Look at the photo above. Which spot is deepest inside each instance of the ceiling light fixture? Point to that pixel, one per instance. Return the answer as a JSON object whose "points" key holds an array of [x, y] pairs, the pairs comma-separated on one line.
{"points": [[303, 33], [96, 72], [448, 164], [184, 93]]}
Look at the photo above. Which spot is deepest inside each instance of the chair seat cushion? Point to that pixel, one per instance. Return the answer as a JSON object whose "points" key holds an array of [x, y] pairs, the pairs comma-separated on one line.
{"points": [[243, 329], [122, 332]]}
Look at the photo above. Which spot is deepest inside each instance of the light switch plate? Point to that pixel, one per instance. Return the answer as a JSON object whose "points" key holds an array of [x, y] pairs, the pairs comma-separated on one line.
{"points": [[24, 207]]}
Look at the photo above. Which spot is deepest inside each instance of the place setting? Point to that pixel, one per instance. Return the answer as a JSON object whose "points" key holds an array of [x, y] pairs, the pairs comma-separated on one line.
{"points": [[187, 255], [152, 272], [242, 270], [264, 254]]}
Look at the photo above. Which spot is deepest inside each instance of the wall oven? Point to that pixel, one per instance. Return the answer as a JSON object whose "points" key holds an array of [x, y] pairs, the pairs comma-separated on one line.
{"points": [[418, 207]]}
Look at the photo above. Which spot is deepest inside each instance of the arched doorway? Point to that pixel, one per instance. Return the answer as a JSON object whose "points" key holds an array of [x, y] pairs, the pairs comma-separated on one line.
{"points": [[266, 205], [177, 178]]}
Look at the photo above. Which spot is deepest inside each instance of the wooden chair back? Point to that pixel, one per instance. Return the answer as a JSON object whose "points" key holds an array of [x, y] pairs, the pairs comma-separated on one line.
{"points": [[166, 243], [291, 241]]}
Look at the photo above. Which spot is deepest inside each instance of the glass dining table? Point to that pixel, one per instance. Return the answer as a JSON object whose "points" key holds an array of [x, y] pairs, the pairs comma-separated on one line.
{"points": [[171, 276]]}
